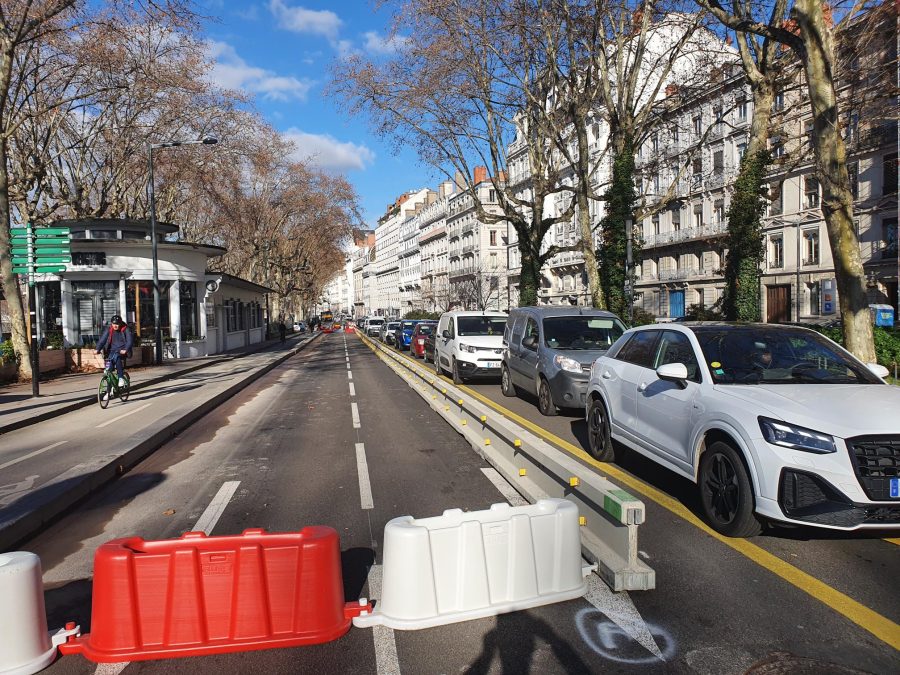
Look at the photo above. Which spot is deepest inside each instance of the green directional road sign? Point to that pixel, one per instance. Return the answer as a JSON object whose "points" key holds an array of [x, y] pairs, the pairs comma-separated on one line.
{"points": [[40, 242], [16, 231], [18, 250], [41, 252], [42, 269], [51, 231]]}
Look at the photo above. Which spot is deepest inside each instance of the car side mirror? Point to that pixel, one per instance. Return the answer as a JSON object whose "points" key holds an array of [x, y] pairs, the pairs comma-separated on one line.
{"points": [[530, 342], [878, 370], [673, 372], [446, 334]]}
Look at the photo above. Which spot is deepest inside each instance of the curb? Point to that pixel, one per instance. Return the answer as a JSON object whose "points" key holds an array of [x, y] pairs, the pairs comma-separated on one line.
{"points": [[76, 405], [70, 491]]}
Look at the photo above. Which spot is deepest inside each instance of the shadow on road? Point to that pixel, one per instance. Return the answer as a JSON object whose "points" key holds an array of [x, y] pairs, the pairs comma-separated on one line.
{"points": [[355, 564]]}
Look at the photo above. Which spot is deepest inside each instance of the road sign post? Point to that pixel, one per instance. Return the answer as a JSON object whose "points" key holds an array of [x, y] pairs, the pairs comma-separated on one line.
{"points": [[41, 250]]}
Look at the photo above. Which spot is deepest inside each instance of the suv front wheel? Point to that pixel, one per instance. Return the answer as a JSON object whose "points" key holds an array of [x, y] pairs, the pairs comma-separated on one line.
{"points": [[507, 388], [599, 437], [726, 493], [545, 399]]}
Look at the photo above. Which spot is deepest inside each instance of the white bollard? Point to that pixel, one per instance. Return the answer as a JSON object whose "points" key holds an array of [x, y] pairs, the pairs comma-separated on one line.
{"points": [[25, 644]]}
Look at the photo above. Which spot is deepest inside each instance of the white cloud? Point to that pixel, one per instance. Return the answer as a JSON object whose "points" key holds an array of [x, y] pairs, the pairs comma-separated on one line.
{"points": [[302, 20], [326, 152], [230, 71], [376, 44]]}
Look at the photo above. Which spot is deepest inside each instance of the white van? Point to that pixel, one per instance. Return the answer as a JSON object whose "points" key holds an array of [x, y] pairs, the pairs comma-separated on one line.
{"points": [[469, 344]]}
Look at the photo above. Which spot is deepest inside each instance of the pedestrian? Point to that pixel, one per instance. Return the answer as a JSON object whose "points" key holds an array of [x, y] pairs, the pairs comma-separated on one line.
{"points": [[282, 330], [117, 342]]}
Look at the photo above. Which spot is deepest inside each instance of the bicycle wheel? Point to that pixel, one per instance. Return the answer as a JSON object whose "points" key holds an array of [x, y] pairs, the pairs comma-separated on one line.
{"points": [[125, 392], [103, 392]]}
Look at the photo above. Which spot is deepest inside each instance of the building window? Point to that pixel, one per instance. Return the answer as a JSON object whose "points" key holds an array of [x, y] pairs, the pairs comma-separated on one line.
{"points": [[776, 252], [889, 235], [718, 162], [778, 102], [676, 218], [808, 133], [853, 172], [742, 109], [719, 212], [889, 174], [698, 125], [698, 215], [741, 151], [810, 192], [655, 221], [188, 305], [675, 135], [775, 206], [493, 237], [811, 247], [851, 131], [776, 147], [88, 258], [717, 115]]}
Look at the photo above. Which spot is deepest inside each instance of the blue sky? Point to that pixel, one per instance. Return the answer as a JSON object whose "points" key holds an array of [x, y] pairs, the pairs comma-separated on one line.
{"points": [[280, 52]]}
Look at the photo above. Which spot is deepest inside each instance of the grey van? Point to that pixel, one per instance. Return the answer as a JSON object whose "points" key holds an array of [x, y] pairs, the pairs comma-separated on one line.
{"points": [[549, 352]]}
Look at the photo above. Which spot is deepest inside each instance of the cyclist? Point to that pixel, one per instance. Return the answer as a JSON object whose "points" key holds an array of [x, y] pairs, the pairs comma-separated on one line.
{"points": [[117, 341]]}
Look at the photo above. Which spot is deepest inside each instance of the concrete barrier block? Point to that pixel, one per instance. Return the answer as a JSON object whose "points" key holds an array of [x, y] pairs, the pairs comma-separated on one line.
{"points": [[461, 566]]}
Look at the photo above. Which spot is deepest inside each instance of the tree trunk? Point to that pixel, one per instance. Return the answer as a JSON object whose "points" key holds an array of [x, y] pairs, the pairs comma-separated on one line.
{"points": [[7, 278], [831, 169], [620, 205], [584, 221], [529, 276]]}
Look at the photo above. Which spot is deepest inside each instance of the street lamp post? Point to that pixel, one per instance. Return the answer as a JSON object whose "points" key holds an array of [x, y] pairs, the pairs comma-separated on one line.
{"points": [[153, 244]]}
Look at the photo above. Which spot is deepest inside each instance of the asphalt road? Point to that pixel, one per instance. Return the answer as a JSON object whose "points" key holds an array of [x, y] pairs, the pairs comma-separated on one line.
{"points": [[290, 443]]}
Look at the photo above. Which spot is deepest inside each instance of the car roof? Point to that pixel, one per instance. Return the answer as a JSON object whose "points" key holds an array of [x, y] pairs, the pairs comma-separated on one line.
{"points": [[544, 312], [708, 326], [490, 312]]}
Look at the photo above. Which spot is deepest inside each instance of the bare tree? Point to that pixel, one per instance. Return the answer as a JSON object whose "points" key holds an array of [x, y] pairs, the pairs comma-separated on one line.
{"points": [[807, 29]]}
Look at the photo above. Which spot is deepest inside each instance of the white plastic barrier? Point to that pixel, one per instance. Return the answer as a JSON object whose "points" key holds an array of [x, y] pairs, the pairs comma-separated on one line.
{"points": [[462, 566], [25, 645]]}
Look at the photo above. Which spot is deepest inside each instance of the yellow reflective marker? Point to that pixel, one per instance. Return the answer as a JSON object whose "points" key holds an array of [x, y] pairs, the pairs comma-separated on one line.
{"points": [[460, 401], [582, 521], [517, 443], [464, 423], [483, 419], [523, 472], [487, 441], [574, 481]]}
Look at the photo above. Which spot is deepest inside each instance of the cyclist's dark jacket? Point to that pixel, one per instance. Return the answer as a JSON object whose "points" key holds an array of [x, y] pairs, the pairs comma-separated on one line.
{"points": [[115, 340]]}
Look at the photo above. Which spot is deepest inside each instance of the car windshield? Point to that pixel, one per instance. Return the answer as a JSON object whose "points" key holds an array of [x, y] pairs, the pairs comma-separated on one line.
{"points": [[581, 332], [754, 355], [481, 325], [409, 325], [376, 322], [425, 328]]}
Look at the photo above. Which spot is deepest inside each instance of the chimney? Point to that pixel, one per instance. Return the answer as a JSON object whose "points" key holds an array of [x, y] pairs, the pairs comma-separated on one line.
{"points": [[501, 177], [460, 182], [480, 174], [671, 89], [447, 188]]}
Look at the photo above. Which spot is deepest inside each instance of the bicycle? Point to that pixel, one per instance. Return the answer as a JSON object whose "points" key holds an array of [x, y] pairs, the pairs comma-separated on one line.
{"points": [[109, 384]]}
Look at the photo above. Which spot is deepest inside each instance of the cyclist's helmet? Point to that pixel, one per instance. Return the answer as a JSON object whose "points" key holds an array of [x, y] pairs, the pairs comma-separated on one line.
{"points": [[117, 318]]}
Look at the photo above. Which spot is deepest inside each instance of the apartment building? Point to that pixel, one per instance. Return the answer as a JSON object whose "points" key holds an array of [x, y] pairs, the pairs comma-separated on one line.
{"points": [[362, 257], [386, 299], [476, 251], [432, 223]]}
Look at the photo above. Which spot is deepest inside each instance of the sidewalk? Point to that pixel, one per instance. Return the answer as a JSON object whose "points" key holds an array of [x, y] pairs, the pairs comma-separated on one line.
{"points": [[65, 393], [49, 467]]}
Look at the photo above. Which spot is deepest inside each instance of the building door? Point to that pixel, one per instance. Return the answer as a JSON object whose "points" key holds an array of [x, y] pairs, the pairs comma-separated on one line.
{"points": [[778, 304], [95, 303], [676, 304]]}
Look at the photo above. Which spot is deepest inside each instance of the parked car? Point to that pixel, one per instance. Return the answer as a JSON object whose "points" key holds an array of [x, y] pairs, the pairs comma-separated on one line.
{"points": [[374, 326], [771, 422], [300, 327], [389, 334], [550, 350], [428, 347], [421, 333], [469, 344], [403, 333]]}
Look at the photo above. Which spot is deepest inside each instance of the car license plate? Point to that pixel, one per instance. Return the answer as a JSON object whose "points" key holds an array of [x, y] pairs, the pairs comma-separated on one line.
{"points": [[491, 364], [895, 487]]}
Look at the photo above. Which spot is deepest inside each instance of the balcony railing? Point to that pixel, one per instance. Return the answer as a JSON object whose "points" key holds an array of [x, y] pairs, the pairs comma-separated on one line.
{"points": [[567, 258], [468, 248], [677, 275], [686, 234]]}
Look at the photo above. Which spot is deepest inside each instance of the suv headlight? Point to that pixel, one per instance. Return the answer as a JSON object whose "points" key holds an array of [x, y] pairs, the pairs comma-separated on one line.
{"points": [[468, 348], [796, 438], [568, 364]]}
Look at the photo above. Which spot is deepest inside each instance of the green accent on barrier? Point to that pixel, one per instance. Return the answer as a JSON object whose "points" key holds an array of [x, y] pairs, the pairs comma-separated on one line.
{"points": [[621, 495], [612, 507]]}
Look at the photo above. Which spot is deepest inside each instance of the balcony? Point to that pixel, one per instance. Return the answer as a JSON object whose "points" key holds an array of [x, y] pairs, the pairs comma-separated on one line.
{"points": [[468, 248], [883, 135], [678, 275], [686, 234], [566, 259], [468, 227]]}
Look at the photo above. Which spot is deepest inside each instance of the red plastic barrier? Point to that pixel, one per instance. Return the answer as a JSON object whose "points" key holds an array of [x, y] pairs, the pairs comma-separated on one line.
{"points": [[208, 595]]}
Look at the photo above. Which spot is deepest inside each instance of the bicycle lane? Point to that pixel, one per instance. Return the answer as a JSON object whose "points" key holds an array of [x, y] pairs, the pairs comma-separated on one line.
{"points": [[46, 467]]}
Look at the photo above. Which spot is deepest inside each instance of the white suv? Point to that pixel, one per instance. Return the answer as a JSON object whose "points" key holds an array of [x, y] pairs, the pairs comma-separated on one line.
{"points": [[772, 422], [469, 344]]}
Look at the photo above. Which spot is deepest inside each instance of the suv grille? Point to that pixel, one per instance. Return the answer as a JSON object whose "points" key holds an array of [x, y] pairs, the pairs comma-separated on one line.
{"points": [[876, 459]]}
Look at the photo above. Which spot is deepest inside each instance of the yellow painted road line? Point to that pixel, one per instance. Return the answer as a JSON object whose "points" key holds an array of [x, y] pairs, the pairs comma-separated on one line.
{"points": [[873, 622], [895, 541]]}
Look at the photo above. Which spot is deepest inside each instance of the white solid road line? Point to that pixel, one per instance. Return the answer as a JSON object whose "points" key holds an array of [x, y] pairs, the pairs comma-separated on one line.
{"points": [[349, 374], [36, 452], [216, 507], [365, 487], [116, 419], [505, 488], [352, 393], [354, 411], [386, 661], [206, 523]]}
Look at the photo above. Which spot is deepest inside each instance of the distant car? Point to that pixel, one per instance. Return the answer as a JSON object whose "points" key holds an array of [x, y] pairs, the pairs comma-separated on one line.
{"points": [[403, 333], [300, 327], [389, 334], [420, 334], [374, 326], [550, 350], [771, 422], [349, 327]]}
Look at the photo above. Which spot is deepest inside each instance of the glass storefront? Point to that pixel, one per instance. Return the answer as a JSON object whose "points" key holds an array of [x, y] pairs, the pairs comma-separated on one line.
{"points": [[139, 307], [188, 305], [94, 304]]}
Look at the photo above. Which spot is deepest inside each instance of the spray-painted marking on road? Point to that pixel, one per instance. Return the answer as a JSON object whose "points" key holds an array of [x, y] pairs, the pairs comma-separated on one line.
{"points": [[130, 412], [873, 622], [352, 389], [505, 489], [354, 411], [386, 661], [30, 455], [362, 469], [216, 507], [11, 492], [110, 668]]}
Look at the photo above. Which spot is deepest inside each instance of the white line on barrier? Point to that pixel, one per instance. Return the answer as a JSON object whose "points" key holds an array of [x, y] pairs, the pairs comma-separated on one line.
{"points": [[216, 507], [352, 389], [365, 487], [116, 419], [354, 410], [31, 454], [620, 609], [386, 661], [513, 497]]}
